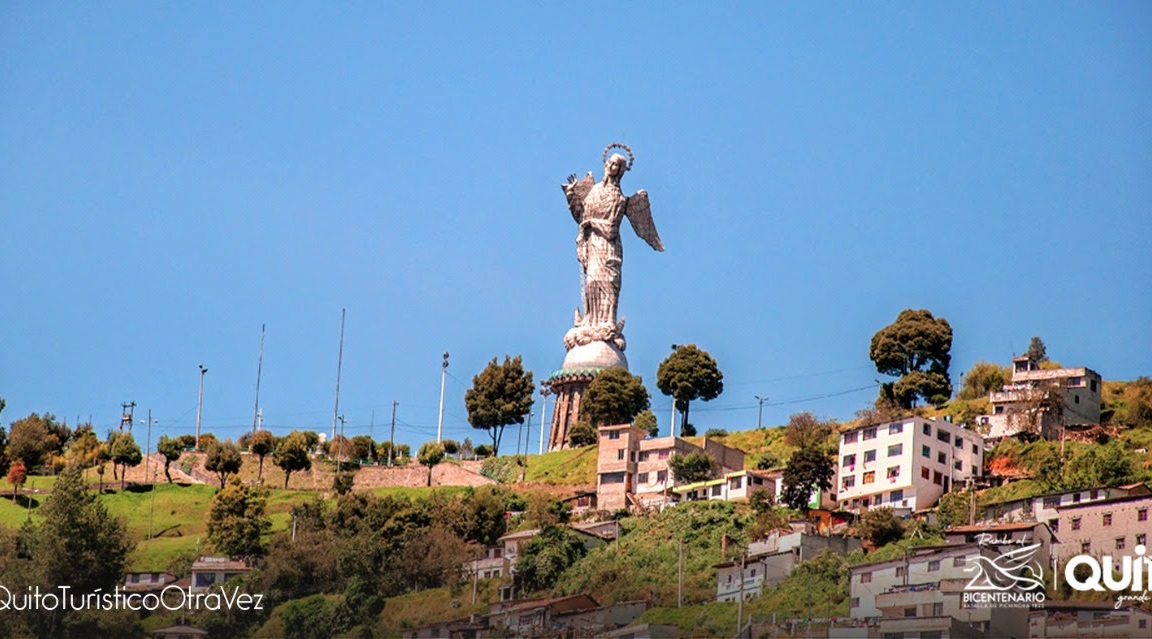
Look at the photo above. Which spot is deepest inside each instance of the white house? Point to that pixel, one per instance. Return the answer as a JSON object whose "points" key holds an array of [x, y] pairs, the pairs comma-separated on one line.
{"points": [[905, 464]]}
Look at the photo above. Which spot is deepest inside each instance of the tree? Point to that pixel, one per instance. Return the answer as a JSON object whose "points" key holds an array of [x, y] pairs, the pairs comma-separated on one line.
{"points": [[171, 448], [805, 431], [688, 374], [223, 458], [954, 508], [692, 467], [614, 396], [429, 455], [16, 476], [204, 440], [291, 454], [32, 439], [125, 453], [236, 520], [547, 555], [75, 543], [582, 434], [261, 445], [916, 347], [982, 379], [501, 394], [880, 526], [1037, 353], [809, 469], [85, 448], [363, 448], [646, 420]]}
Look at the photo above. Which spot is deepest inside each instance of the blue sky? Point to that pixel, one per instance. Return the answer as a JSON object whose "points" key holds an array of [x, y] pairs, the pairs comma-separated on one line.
{"points": [[174, 175]]}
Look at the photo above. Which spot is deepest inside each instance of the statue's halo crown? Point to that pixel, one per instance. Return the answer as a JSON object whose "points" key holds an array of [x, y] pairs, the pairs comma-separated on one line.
{"points": [[619, 145]]}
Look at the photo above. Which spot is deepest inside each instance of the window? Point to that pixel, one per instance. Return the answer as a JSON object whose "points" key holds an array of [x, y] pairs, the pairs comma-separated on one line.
{"points": [[1085, 547], [865, 577], [1119, 543], [896, 495], [869, 456], [910, 612], [869, 433], [850, 438], [975, 450], [620, 455], [1107, 519], [642, 478], [1141, 539], [662, 476], [937, 478], [1054, 524], [941, 458], [1142, 514], [1051, 502], [926, 451], [944, 437], [632, 455], [849, 460], [958, 562], [959, 442], [893, 472], [934, 565], [848, 482], [869, 477], [644, 456], [1075, 523], [958, 465], [662, 454], [736, 483], [937, 611], [895, 450], [612, 478], [613, 434], [927, 429], [900, 570], [1076, 498], [893, 429], [716, 490], [924, 473], [854, 603]]}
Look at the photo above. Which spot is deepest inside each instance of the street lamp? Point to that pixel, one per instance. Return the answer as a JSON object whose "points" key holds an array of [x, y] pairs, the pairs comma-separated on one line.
{"points": [[760, 411], [200, 405], [672, 423]]}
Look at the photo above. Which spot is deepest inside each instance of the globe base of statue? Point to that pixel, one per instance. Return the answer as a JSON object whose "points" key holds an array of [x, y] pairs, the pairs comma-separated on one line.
{"points": [[591, 349]]}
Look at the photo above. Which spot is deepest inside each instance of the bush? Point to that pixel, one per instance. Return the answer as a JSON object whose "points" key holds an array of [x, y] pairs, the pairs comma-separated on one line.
{"points": [[715, 432], [504, 470]]}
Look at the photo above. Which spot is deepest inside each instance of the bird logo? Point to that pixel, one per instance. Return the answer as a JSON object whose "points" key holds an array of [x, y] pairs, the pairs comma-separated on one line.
{"points": [[1010, 570]]}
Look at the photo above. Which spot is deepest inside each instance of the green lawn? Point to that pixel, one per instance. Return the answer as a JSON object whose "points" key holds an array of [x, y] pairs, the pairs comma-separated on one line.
{"points": [[571, 467]]}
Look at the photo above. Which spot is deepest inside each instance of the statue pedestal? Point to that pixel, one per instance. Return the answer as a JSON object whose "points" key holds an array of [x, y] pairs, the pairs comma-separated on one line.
{"points": [[582, 364]]}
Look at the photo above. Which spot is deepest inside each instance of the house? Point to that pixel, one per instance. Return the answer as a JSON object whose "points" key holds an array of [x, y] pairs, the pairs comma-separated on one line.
{"points": [[147, 581], [770, 561], [738, 485], [592, 535], [643, 631], [1113, 526], [488, 563], [575, 614], [1044, 401], [906, 464], [632, 471], [211, 571], [921, 594], [1074, 619], [1043, 507]]}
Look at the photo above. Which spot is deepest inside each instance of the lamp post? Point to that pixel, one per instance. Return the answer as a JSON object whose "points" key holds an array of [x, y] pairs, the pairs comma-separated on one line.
{"points": [[545, 391], [199, 405], [148, 448], [440, 421], [759, 411], [672, 423]]}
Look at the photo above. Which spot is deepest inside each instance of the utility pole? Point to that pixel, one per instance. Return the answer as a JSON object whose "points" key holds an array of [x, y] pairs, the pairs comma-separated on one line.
{"points": [[259, 369], [148, 449], [740, 603], [200, 405], [760, 411], [544, 393], [392, 436], [339, 365], [126, 415], [680, 577], [440, 421]]}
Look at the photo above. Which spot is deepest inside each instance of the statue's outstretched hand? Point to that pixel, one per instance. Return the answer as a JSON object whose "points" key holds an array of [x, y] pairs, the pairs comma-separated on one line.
{"points": [[571, 178]]}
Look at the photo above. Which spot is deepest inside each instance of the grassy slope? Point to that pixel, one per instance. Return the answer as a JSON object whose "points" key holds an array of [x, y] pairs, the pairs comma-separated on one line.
{"points": [[572, 467]]}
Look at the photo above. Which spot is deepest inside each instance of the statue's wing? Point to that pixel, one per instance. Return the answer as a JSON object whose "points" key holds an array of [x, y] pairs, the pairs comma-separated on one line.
{"points": [[584, 186], [640, 215]]}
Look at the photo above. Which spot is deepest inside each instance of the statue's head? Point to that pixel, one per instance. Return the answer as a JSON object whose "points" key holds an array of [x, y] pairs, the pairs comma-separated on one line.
{"points": [[615, 166]]}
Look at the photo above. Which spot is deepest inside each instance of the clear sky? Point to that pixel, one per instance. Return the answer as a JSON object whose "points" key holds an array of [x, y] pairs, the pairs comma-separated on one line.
{"points": [[175, 175]]}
